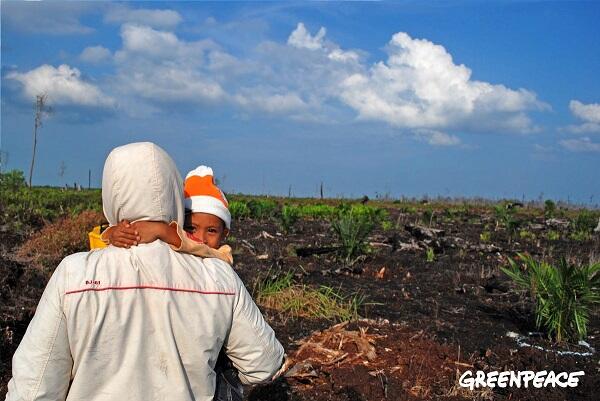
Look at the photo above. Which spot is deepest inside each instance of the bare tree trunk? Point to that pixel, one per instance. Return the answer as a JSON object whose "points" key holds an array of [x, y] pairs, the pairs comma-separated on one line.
{"points": [[35, 127], [40, 101]]}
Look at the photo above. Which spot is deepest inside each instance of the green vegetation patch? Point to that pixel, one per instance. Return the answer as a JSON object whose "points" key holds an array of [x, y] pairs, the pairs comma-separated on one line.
{"points": [[25, 209], [352, 229], [564, 294]]}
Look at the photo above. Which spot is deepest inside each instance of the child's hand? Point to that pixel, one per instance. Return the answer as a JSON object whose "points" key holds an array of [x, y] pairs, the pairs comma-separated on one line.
{"points": [[150, 231], [123, 235]]}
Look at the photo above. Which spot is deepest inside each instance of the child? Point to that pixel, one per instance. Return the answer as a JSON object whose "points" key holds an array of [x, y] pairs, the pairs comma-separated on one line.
{"points": [[207, 224]]}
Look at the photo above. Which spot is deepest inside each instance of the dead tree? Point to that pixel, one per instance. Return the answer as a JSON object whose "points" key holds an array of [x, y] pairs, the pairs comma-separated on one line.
{"points": [[61, 170], [40, 109]]}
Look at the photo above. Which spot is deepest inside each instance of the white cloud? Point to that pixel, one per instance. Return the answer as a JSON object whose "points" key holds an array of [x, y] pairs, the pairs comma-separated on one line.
{"points": [[588, 113], [63, 85], [54, 18], [150, 42], [437, 138], [167, 84], [343, 56], [302, 39], [95, 54], [161, 19], [585, 128], [583, 144], [420, 87], [158, 66]]}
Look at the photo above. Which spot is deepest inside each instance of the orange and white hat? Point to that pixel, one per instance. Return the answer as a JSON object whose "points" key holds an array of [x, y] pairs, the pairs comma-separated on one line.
{"points": [[203, 196]]}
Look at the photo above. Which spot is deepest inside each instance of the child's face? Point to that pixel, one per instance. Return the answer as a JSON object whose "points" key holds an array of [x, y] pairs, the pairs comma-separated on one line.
{"points": [[206, 228]]}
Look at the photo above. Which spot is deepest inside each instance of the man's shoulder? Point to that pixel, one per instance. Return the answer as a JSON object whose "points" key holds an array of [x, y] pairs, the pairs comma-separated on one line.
{"points": [[74, 259], [213, 267]]}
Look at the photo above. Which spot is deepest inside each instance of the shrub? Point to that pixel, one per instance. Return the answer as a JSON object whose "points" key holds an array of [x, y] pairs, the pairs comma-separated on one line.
{"points": [[564, 294], [430, 255], [239, 210], [23, 208], [262, 208], [12, 180], [317, 211], [387, 225], [580, 235], [427, 217], [288, 217], [553, 235], [584, 222], [373, 213], [352, 229], [505, 217], [407, 209], [526, 234], [549, 209]]}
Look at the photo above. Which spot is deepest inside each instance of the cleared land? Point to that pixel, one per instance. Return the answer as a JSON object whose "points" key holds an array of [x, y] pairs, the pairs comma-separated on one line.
{"points": [[424, 292]]}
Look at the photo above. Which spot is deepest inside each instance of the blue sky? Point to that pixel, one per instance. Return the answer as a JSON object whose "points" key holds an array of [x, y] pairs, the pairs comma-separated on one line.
{"points": [[498, 99]]}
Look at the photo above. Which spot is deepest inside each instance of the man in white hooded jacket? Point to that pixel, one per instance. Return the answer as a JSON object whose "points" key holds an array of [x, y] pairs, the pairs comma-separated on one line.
{"points": [[144, 323]]}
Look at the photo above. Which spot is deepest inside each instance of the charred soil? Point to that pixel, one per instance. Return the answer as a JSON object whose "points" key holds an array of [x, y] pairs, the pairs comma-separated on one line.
{"points": [[425, 320]]}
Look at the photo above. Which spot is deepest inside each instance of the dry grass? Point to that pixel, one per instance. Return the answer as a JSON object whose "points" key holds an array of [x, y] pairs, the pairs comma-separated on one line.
{"points": [[299, 300], [477, 394], [46, 248]]}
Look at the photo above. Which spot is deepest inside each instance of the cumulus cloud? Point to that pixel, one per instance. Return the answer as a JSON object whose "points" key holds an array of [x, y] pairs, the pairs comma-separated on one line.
{"points": [[588, 113], [161, 19], [147, 41], [302, 39], [417, 89], [584, 144], [157, 65], [437, 138], [95, 54], [63, 85], [420, 86]]}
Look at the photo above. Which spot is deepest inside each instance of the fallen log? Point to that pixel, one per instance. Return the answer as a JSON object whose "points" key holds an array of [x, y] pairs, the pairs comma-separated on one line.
{"points": [[421, 232], [308, 251]]}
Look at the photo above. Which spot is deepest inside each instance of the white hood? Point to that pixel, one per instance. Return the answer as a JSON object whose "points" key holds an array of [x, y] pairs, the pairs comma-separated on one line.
{"points": [[141, 182]]}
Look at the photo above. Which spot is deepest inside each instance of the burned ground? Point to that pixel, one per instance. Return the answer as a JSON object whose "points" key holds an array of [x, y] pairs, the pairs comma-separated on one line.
{"points": [[424, 322]]}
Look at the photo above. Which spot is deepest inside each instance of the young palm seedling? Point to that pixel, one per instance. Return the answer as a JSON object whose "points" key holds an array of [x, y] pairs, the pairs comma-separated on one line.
{"points": [[288, 217], [352, 230], [430, 255], [564, 294], [505, 217]]}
